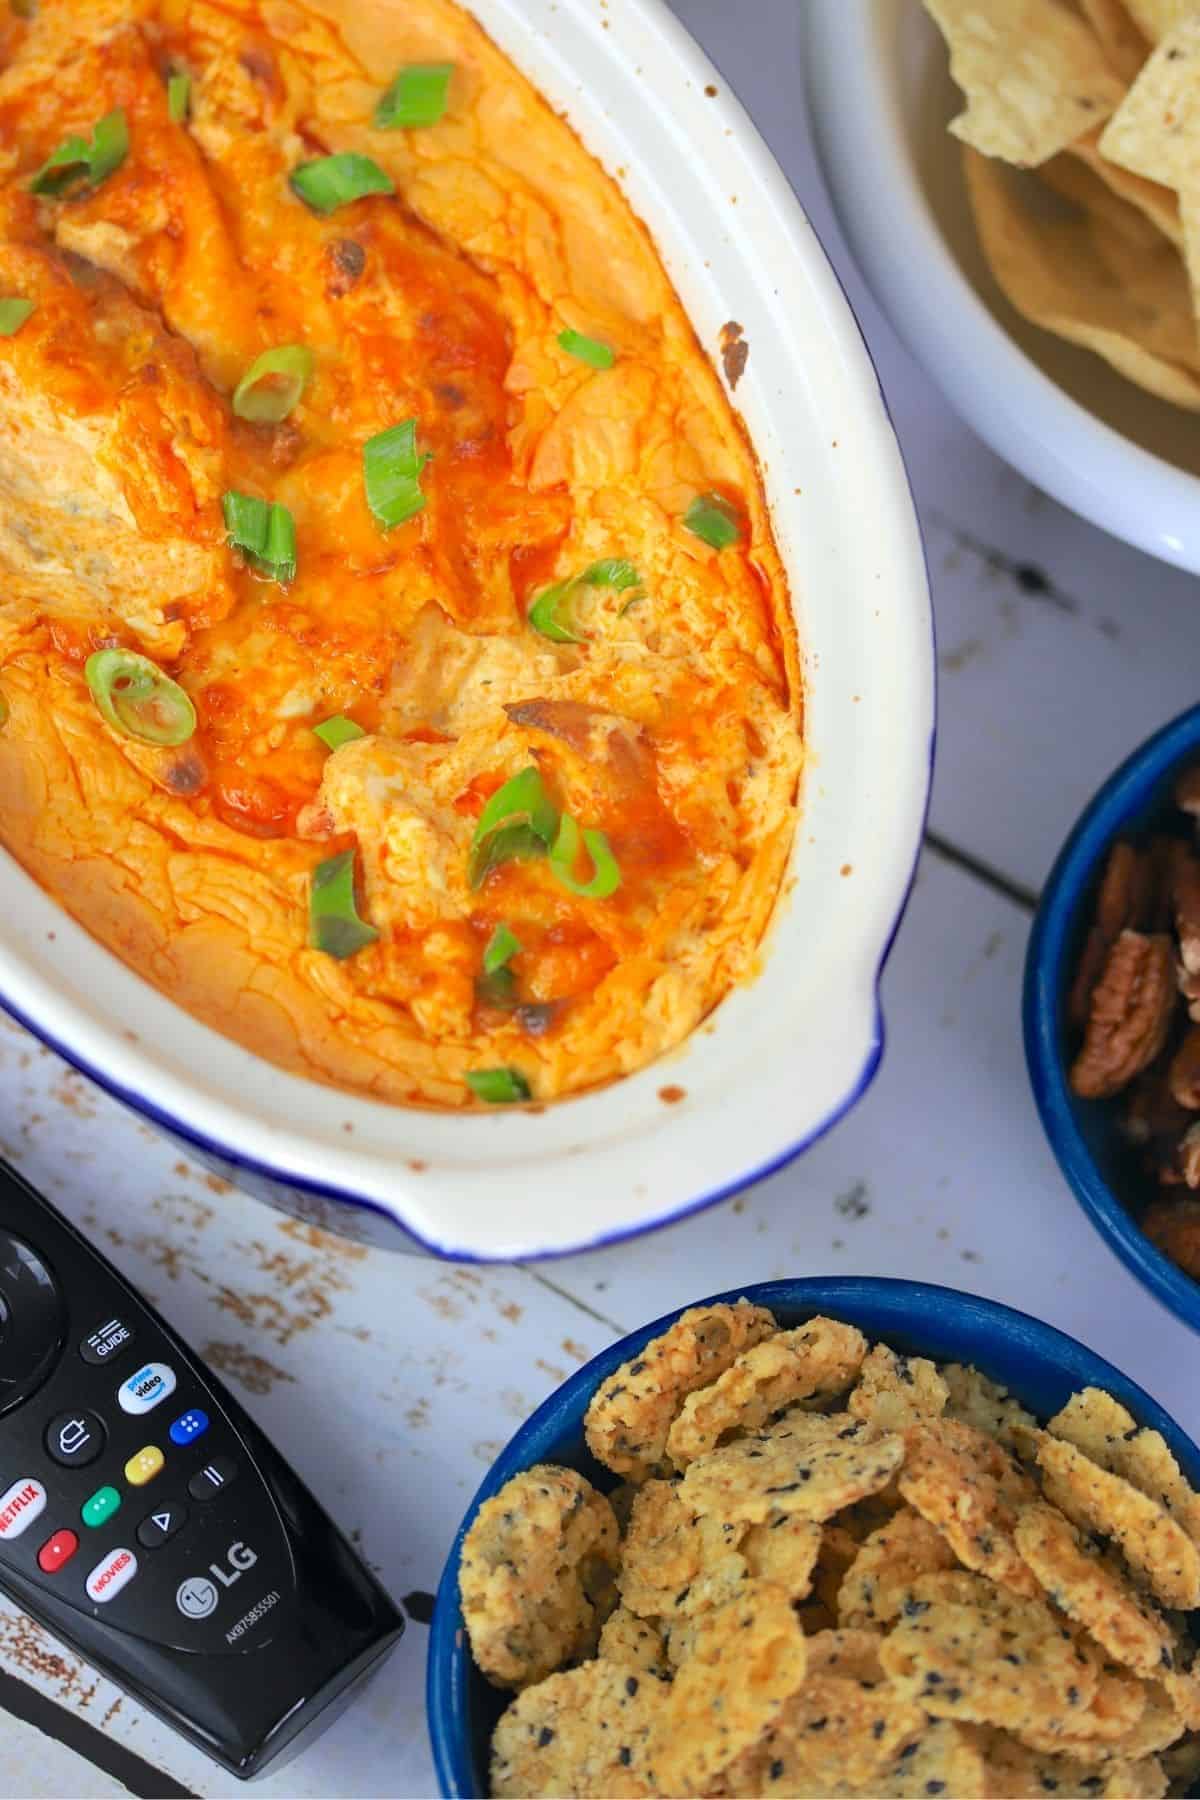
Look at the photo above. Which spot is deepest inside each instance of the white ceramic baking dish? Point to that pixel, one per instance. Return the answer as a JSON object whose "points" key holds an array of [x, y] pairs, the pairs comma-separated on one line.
{"points": [[780, 1060]]}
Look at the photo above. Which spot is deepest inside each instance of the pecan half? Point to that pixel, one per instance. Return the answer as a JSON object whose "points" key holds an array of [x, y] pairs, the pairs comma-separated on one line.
{"points": [[1129, 1015], [1121, 905], [1185, 905], [1174, 1225], [1187, 791], [1183, 1077], [1152, 1116]]}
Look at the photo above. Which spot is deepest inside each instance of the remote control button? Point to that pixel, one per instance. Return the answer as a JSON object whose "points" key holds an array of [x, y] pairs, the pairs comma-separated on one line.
{"points": [[152, 1383], [75, 1438], [19, 1507], [101, 1507], [144, 1466], [109, 1339], [32, 1321], [157, 1527], [109, 1576], [56, 1551], [210, 1480], [189, 1426]]}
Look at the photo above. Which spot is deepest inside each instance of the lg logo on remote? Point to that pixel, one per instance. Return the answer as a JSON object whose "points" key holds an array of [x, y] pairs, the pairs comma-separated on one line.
{"points": [[196, 1597]]}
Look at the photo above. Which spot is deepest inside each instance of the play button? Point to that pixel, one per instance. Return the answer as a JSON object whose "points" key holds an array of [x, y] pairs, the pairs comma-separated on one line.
{"points": [[158, 1526]]}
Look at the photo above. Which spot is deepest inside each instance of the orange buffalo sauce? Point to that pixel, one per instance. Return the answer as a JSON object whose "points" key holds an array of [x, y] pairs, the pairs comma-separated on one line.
{"points": [[665, 716]]}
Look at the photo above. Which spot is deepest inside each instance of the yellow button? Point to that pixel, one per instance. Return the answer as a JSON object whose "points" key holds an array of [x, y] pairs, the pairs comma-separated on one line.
{"points": [[144, 1466]]}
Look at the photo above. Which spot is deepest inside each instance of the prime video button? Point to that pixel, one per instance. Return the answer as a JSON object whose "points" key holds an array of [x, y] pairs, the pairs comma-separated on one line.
{"points": [[152, 1383]]}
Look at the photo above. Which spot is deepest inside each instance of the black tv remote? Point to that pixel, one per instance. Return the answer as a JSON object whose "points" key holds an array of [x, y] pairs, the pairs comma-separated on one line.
{"points": [[146, 1520]]}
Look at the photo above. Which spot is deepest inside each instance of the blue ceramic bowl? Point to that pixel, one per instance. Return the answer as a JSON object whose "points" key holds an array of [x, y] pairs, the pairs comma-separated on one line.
{"points": [[1100, 1166], [1041, 1366]]}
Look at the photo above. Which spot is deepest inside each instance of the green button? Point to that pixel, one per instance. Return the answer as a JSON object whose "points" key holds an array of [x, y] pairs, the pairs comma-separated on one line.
{"points": [[101, 1507]]}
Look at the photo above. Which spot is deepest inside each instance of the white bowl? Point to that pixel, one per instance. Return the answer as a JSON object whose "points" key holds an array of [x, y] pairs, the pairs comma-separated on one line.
{"points": [[779, 1060], [881, 98]]}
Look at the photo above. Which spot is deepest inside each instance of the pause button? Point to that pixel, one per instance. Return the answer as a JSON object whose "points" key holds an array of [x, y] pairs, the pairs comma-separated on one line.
{"points": [[209, 1481]]}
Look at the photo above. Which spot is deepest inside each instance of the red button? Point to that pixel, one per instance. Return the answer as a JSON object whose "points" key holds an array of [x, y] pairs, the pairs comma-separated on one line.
{"points": [[56, 1551]]}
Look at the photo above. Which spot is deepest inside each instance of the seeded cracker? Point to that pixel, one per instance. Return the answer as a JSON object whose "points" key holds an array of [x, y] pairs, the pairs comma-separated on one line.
{"points": [[881, 1577], [1034, 76], [637, 1643], [536, 1574], [965, 1649], [820, 1358], [796, 1621], [988, 1407], [1091, 1589], [972, 1490], [628, 1420], [810, 1466], [748, 1658], [1015, 1772], [784, 1550], [946, 1760], [584, 1732], [1102, 1428], [838, 1550], [893, 1391], [668, 1551], [1155, 1547]]}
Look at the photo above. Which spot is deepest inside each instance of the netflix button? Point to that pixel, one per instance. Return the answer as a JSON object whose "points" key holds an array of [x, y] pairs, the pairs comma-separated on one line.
{"points": [[19, 1507]]}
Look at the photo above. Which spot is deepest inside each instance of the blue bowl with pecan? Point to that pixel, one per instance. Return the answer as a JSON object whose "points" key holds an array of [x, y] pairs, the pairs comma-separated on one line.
{"points": [[1112, 1013]]}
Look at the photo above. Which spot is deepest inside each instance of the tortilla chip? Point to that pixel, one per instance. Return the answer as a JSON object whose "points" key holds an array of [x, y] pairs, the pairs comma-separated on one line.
{"points": [[1068, 273], [1034, 76], [1159, 204], [1120, 37], [1156, 130], [1155, 18]]}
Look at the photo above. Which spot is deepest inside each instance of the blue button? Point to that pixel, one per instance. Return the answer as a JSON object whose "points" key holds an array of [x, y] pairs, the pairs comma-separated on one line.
{"points": [[189, 1426]]}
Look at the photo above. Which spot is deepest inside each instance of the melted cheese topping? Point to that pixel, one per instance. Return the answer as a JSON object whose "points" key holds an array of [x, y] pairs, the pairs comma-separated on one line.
{"points": [[675, 728]]}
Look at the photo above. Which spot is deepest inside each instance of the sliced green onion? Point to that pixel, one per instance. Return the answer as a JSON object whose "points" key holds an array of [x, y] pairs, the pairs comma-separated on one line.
{"points": [[333, 181], [518, 822], [502, 946], [588, 349], [13, 314], [273, 384], [137, 699], [551, 616], [334, 924], [714, 520], [606, 878], [499, 1087], [392, 473], [3, 711], [613, 572], [264, 530], [89, 160], [338, 730], [179, 98], [552, 613], [417, 96]]}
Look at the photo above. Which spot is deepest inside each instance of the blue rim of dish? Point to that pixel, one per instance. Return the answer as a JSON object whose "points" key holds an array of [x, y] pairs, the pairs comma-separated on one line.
{"points": [[1123, 797], [304, 1184], [945, 1323]]}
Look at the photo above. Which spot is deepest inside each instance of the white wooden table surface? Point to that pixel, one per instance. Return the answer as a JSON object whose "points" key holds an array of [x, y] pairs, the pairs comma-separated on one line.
{"points": [[1059, 650]]}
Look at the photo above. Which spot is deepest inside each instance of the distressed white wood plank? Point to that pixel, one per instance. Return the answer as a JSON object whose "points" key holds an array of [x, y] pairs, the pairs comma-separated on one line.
{"points": [[33, 1763], [390, 1383], [1042, 692]]}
